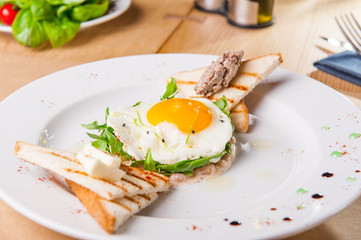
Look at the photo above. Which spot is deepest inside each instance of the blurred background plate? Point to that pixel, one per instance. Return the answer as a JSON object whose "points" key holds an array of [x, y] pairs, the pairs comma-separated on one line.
{"points": [[117, 8]]}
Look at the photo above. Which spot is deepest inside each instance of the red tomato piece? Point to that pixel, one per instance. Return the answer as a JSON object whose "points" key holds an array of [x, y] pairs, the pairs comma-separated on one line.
{"points": [[8, 13]]}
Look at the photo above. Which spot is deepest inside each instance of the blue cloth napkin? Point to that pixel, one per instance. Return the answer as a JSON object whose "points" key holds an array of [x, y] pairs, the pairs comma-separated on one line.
{"points": [[345, 65]]}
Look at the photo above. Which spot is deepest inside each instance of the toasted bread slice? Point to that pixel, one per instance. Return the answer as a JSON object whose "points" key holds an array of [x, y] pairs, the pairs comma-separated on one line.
{"points": [[239, 117], [111, 214], [250, 73], [136, 181]]}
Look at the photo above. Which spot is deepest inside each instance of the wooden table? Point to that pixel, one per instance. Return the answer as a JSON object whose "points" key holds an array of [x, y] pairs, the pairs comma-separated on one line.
{"points": [[169, 26]]}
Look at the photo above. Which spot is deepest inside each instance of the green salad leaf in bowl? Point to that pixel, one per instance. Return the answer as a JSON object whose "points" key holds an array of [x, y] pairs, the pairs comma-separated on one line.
{"points": [[55, 20]]}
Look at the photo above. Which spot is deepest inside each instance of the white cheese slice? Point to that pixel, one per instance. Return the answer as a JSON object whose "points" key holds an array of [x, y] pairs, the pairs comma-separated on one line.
{"points": [[100, 164]]}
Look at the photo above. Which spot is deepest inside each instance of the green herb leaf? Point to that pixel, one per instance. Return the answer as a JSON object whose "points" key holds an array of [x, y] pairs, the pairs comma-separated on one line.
{"points": [[42, 10], [185, 167], [107, 141], [27, 30], [101, 144], [222, 104], [94, 136], [64, 2], [94, 126], [62, 10], [89, 11], [137, 103], [149, 163], [61, 30], [22, 3], [171, 91]]}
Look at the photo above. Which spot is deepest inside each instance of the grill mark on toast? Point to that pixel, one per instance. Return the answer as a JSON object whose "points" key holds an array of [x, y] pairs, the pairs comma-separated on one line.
{"points": [[132, 183], [237, 111], [273, 54], [212, 98], [145, 172], [120, 204], [239, 87], [61, 156], [133, 201], [161, 177], [99, 179], [142, 179], [144, 196], [185, 82], [197, 96], [250, 74]]}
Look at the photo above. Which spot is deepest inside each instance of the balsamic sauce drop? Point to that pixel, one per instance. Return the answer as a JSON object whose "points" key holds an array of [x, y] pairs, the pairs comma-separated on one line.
{"points": [[235, 223], [327, 174], [317, 196]]}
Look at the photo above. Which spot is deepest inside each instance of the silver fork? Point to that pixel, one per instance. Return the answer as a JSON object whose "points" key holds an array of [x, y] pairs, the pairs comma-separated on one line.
{"points": [[351, 29]]}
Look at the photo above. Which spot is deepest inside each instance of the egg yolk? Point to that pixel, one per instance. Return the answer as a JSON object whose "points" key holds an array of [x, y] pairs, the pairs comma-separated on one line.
{"points": [[188, 115]]}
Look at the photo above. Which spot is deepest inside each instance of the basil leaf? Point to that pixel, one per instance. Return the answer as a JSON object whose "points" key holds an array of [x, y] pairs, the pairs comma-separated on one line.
{"points": [[64, 2], [90, 11], [23, 3], [27, 30], [171, 90], [61, 11], [61, 30], [42, 10], [149, 163]]}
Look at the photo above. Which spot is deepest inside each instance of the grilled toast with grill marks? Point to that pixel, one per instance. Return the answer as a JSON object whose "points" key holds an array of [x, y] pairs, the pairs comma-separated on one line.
{"points": [[111, 214], [135, 181], [250, 73]]}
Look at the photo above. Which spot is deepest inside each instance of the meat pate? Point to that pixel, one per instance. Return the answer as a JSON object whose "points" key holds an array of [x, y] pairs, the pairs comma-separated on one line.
{"points": [[220, 73]]}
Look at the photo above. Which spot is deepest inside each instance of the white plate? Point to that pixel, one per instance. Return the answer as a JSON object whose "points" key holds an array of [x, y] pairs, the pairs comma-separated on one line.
{"points": [[269, 189], [117, 8]]}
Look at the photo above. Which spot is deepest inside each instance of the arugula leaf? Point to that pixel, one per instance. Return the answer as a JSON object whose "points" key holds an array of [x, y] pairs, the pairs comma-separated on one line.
{"points": [[27, 30], [185, 167], [61, 30], [106, 141], [149, 163], [102, 145], [222, 104], [171, 91], [94, 126]]}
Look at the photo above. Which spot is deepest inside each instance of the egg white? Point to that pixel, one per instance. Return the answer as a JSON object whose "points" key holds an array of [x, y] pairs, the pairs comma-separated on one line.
{"points": [[167, 143]]}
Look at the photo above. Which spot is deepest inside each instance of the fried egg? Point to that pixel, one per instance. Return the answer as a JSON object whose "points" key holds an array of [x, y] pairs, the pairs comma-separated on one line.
{"points": [[174, 129]]}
